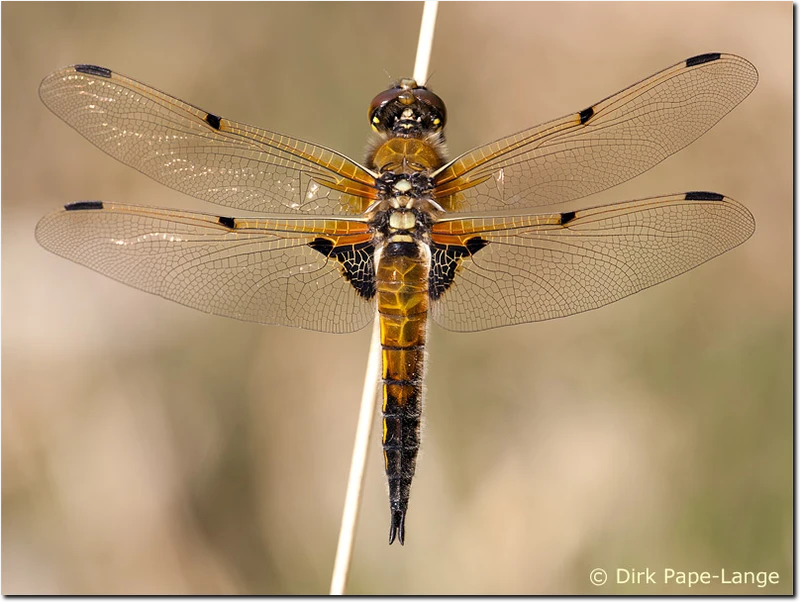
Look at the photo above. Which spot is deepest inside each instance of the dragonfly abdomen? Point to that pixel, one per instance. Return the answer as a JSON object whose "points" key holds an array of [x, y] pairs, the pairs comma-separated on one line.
{"points": [[402, 288]]}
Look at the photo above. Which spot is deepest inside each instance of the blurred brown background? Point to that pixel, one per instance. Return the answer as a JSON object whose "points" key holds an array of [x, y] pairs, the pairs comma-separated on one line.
{"points": [[149, 448]]}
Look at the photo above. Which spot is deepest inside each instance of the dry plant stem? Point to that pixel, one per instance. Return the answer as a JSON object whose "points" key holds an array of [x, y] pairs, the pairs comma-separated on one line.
{"points": [[425, 42], [372, 381], [358, 463]]}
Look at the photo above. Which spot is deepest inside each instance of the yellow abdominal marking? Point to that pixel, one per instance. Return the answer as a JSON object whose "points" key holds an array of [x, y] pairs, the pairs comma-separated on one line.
{"points": [[403, 331]]}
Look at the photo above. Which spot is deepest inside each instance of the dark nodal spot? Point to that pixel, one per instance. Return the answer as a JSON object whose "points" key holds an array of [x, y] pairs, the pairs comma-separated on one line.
{"points": [[567, 217], [84, 206], [93, 70], [702, 58], [228, 222], [586, 115], [213, 120], [704, 196]]}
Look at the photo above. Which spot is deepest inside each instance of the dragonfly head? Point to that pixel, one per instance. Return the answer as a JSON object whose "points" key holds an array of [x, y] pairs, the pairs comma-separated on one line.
{"points": [[408, 110]]}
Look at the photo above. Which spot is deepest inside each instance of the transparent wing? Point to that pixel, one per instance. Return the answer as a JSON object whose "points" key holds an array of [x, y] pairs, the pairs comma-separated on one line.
{"points": [[266, 271], [538, 267], [601, 146], [201, 154]]}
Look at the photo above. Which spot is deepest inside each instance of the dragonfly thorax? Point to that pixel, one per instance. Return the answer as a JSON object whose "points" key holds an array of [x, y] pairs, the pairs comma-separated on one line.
{"points": [[407, 155], [402, 220], [415, 185]]}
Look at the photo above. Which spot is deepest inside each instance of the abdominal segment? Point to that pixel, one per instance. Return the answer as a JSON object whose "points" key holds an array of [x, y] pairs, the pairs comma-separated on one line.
{"points": [[402, 288]]}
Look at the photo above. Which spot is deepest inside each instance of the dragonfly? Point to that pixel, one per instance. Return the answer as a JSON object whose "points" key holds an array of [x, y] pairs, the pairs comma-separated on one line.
{"points": [[473, 243]]}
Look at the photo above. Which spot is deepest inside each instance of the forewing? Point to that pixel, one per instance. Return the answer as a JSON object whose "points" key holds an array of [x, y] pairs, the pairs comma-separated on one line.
{"points": [[268, 271], [531, 268], [606, 144], [201, 154]]}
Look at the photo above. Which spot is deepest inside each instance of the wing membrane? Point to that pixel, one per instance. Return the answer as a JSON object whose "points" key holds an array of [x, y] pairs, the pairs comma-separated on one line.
{"points": [[606, 144], [538, 267], [201, 154], [250, 269]]}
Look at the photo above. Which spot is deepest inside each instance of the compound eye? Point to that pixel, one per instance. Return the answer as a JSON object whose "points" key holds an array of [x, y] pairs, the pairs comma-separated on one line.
{"points": [[435, 103], [381, 100]]}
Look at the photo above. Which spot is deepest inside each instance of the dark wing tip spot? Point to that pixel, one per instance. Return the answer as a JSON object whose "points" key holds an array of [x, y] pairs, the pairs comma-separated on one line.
{"points": [[228, 222], [213, 120], [704, 196], [567, 217], [586, 115], [83, 206], [93, 70], [702, 58]]}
